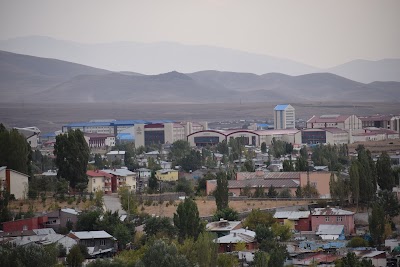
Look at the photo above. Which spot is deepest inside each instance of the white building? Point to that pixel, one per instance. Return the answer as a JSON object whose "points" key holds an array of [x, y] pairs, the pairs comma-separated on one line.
{"points": [[344, 122], [16, 183], [284, 117]]}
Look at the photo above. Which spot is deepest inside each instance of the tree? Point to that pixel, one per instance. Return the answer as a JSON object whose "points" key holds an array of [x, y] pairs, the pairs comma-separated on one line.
{"points": [[221, 192], [203, 252], [75, 256], [367, 174], [310, 191], [179, 149], [389, 203], [299, 192], [223, 148], [261, 259], [187, 219], [227, 260], [272, 193], [351, 260], [87, 220], [153, 183], [248, 166], [128, 200], [288, 166], [15, 153], [191, 161], [257, 217], [339, 188], [285, 193], [385, 175], [301, 164], [184, 185], [263, 147], [72, 155], [355, 181], [159, 227], [357, 241], [377, 224], [268, 242], [228, 214], [28, 255], [163, 254], [259, 192], [201, 186], [122, 234]]}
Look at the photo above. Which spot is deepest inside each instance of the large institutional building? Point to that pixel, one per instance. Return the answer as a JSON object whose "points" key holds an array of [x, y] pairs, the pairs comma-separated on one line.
{"points": [[284, 117]]}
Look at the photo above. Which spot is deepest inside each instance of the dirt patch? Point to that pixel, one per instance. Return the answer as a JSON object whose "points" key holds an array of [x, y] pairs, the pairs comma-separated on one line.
{"points": [[208, 207], [50, 204]]}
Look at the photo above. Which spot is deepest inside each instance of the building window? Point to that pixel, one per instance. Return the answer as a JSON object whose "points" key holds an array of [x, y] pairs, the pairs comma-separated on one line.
{"points": [[94, 181], [25, 227], [68, 219], [102, 242], [339, 218], [327, 219]]}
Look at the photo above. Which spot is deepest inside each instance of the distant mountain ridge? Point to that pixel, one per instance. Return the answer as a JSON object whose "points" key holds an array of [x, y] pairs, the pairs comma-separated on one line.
{"points": [[162, 57], [40, 80]]}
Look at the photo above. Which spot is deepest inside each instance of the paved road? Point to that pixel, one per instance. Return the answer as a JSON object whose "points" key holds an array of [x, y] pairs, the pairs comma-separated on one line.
{"points": [[111, 202]]}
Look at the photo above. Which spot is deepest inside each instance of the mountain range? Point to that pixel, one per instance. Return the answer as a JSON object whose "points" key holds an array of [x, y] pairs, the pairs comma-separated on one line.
{"points": [[32, 79], [163, 57]]}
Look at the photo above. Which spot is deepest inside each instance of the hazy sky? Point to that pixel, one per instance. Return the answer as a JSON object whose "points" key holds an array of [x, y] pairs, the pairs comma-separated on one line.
{"points": [[317, 32]]}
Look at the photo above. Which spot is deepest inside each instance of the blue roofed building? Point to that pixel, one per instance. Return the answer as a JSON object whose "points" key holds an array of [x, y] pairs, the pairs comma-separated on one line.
{"points": [[284, 117]]}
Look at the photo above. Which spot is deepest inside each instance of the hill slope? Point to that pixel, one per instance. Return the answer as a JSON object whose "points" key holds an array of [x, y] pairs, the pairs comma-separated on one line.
{"points": [[40, 80]]}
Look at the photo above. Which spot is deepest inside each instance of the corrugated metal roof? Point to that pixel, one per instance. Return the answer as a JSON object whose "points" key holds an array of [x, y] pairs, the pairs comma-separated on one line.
{"points": [[71, 211], [291, 215], [222, 225], [269, 175], [234, 237], [98, 174], [330, 211], [91, 234], [277, 183], [329, 229]]}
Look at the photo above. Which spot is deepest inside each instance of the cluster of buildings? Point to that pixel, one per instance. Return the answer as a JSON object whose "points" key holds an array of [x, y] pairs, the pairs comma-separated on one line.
{"points": [[320, 238], [44, 230]]}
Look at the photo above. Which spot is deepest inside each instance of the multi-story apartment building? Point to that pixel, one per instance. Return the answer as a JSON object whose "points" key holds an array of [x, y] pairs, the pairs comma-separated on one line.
{"points": [[122, 178], [99, 181], [284, 117]]}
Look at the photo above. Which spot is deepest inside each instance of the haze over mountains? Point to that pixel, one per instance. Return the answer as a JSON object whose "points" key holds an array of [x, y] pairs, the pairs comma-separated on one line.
{"points": [[155, 58], [40, 80]]}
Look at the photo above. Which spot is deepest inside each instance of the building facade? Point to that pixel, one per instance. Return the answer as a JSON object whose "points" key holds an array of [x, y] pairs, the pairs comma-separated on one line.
{"points": [[16, 183], [333, 216], [122, 178], [284, 117], [344, 122], [99, 181]]}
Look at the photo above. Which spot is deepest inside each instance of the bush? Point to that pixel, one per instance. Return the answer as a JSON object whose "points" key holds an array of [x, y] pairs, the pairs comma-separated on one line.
{"points": [[357, 242], [70, 200]]}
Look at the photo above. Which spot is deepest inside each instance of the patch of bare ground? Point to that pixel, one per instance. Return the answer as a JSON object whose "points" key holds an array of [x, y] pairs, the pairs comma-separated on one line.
{"points": [[50, 204], [208, 207], [377, 147]]}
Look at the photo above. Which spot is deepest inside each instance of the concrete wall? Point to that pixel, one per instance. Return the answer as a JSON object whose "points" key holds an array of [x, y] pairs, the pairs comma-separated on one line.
{"points": [[320, 180], [17, 183]]}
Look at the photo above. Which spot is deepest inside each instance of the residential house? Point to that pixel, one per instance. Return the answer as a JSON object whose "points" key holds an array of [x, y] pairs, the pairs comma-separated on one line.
{"points": [[167, 175], [122, 178], [26, 224], [320, 258], [378, 258], [331, 232], [16, 183], [142, 178], [41, 237], [223, 227], [99, 181], [99, 243], [295, 220], [59, 219], [229, 242], [333, 216]]}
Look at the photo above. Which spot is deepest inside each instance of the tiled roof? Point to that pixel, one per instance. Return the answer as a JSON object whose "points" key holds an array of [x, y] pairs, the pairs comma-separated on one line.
{"points": [[277, 183], [269, 175], [98, 173]]}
